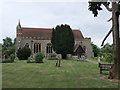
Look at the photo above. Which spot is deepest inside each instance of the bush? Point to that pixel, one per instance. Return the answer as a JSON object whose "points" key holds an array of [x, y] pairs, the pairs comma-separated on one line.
{"points": [[31, 58], [23, 53], [12, 57], [109, 57], [8, 61], [39, 57], [30, 61]]}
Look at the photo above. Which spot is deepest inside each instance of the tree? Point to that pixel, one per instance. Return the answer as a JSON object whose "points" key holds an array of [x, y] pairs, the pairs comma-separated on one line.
{"points": [[8, 47], [7, 42], [95, 50], [23, 53], [107, 52], [63, 40], [107, 48], [115, 9], [14, 41]]}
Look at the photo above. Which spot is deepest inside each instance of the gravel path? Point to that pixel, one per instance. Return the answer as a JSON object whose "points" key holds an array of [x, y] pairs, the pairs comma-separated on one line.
{"points": [[95, 62]]}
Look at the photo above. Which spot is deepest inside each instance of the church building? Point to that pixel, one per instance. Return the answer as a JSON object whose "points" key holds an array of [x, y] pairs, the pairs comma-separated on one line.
{"points": [[39, 39]]}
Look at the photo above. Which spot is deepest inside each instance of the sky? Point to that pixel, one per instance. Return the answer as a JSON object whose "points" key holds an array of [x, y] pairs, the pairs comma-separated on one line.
{"points": [[49, 14]]}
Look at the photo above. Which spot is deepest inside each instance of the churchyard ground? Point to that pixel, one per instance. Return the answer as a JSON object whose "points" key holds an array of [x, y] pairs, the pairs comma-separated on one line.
{"points": [[71, 74]]}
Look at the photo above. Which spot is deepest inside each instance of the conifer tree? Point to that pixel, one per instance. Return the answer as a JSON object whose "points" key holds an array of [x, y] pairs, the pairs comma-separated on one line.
{"points": [[62, 40]]}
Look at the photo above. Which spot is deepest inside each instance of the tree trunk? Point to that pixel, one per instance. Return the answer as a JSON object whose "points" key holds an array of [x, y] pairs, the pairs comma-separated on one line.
{"points": [[64, 56], [114, 70], [117, 45]]}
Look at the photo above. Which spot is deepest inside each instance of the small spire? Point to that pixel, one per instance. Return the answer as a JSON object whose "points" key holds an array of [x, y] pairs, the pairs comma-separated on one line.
{"points": [[19, 25]]}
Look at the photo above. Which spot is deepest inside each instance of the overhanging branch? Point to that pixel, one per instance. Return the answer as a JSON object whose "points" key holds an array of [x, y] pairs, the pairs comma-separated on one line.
{"points": [[107, 36], [107, 7], [109, 19]]}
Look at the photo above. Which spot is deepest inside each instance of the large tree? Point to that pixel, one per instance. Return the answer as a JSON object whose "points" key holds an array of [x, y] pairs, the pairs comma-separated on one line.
{"points": [[62, 40], [8, 47], [115, 9], [96, 49], [7, 42]]}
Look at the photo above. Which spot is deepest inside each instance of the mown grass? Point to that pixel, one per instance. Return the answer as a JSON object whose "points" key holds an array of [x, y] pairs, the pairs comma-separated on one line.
{"points": [[71, 74]]}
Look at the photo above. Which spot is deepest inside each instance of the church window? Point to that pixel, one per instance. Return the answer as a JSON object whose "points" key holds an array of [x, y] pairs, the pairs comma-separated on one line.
{"points": [[37, 47], [49, 48], [27, 45]]}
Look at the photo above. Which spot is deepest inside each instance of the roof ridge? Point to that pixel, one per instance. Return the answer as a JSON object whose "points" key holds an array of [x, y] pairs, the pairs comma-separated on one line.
{"points": [[36, 28], [45, 28]]}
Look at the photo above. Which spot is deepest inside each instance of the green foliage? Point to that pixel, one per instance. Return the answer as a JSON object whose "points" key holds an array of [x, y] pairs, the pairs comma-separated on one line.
{"points": [[10, 59], [23, 53], [31, 61], [7, 61], [10, 50], [96, 50], [107, 48], [62, 40], [14, 41], [107, 53], [109, 57], [96, 6], [39, 57], [7, 42], [8, 47], [30, 58]]}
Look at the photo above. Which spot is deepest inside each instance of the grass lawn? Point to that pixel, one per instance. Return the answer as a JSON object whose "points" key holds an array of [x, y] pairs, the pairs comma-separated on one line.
{"points": [[96, 59], [72, 74]]}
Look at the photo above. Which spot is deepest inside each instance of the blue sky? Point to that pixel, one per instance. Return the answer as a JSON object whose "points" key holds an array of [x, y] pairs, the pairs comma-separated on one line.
{"points": [[49, 14]]}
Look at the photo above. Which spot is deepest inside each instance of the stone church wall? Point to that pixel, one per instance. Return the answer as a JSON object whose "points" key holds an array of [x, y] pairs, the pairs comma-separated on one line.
{"points": [[88, 48]]}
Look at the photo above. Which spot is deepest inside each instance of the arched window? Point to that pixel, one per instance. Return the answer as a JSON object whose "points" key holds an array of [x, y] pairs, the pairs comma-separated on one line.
{"points": [[27, 45], [37, 47], [49, 48]]}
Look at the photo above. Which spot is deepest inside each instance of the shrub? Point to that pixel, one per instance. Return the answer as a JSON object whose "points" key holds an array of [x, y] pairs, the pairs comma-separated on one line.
{"points": [[109, 57], [31, 58], [23, 53], [39, 57], [30, 61], [8, 61], [12, 57]]}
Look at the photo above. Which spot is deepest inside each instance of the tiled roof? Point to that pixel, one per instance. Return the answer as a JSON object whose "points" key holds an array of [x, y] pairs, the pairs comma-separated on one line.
{"points": [[45, 33]]}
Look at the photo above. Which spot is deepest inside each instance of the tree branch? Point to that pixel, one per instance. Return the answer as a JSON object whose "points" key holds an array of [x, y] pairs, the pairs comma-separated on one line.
{"points": [[107, 36], [107, 7], [109, 19]]}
